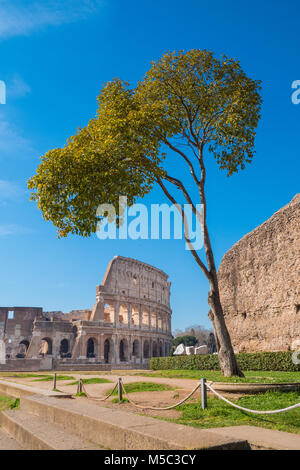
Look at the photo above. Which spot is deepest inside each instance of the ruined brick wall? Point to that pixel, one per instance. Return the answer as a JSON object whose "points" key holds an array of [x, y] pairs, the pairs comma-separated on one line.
{"points": [[259, 284], [17, 323]]}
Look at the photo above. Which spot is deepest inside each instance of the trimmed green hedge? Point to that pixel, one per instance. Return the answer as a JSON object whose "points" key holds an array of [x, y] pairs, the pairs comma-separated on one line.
{"points": [[281, 361]]}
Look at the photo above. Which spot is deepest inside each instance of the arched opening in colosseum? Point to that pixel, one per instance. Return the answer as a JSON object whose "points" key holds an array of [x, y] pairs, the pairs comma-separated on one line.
{"points": [[22, 349], [159, 321], [91, 348], [123, 350], [109, 313], [64, 347], [123, 314], [136, 348], [46, 347], [145, 317], [161, 353], [146, 352], [153, 320], [154, 349], [108, 351], [135, 315]]}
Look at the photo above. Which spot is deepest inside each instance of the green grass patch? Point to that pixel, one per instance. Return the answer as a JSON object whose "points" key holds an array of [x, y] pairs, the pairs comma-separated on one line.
{"points": [[94, 380], [116, 400], [143, 387], [24, 375], [81, 394], [261, 376], [7, 402], [49, 378], [15, 404], [220, 413]]}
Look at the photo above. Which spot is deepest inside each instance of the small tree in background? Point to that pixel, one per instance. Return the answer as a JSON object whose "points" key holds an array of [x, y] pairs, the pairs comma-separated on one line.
{"points": [[187, 340], [198, 331], [193, 104]]}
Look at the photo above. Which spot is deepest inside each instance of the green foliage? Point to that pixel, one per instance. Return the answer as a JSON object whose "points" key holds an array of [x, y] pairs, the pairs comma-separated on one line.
{"points": [[281, 361], [187, 340], [192, 96], [6, 402], [15, 404]]}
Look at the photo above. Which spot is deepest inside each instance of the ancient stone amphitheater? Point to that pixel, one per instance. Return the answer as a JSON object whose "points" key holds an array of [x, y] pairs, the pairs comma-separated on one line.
{"points": [[259, 284], [130, 322]]}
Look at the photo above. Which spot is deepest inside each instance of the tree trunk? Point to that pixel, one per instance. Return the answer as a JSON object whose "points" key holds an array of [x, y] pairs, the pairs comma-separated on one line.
{"points": [[228, 363]]}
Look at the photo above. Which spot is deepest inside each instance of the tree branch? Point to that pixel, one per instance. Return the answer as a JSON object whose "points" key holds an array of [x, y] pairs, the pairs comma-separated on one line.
{"points": [[186, 230], [175, 149]]}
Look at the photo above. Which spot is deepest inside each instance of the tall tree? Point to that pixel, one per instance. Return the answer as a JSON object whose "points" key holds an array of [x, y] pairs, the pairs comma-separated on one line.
{"points": [[192, 104]]}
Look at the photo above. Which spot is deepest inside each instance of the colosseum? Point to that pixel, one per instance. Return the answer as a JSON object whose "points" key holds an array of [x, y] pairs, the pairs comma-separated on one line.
{"points": [[130, 322], [259, 279]]}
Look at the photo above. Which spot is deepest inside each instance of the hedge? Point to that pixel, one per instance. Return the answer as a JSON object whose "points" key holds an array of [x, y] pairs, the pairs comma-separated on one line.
{"points": [[281, 361]]}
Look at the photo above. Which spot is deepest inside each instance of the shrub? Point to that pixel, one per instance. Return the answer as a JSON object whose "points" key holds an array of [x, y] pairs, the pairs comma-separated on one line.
{"points": [[281, 361]]}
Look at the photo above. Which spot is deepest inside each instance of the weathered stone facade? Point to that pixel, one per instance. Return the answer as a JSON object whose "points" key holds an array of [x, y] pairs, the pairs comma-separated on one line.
{"points": [[259, 281], [130, 322]]}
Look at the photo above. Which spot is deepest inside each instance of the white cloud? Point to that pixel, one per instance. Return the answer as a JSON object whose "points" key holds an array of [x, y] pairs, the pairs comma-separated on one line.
{"points": [[24, 17], [17, 87], [13, 229]]}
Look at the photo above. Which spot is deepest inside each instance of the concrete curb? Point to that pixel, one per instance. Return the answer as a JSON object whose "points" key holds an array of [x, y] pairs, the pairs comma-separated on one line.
{"points": [[15, 390], [123, 430]]}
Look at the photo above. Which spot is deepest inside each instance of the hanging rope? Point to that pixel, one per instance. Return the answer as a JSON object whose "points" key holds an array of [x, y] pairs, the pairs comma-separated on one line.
{"points": [[144, 407], [269, 412], [97, 398]]}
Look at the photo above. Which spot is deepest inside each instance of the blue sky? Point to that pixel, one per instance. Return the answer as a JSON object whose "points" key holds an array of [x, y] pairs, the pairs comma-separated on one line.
{"points": [[56, 55]]}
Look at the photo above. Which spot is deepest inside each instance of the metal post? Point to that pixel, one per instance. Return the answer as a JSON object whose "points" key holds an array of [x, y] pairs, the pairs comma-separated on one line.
{"points": [[203, 394], [54, 381], [79, 386], [120, 394]]}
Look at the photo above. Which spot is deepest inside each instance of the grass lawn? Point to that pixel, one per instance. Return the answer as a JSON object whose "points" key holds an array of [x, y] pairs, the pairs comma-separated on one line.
{"points": [[94, 380], [38, 377], [216, 376], [220, 413], [143, 387], [49, 378], [22, 375]]}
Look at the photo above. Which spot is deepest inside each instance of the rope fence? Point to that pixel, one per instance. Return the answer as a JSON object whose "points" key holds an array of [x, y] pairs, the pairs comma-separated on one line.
{"points": [[258, 412], [202, 384]]}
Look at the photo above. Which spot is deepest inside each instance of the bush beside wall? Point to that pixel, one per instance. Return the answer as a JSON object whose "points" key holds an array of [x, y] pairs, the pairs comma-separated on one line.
{"points": [[281, 361]]}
